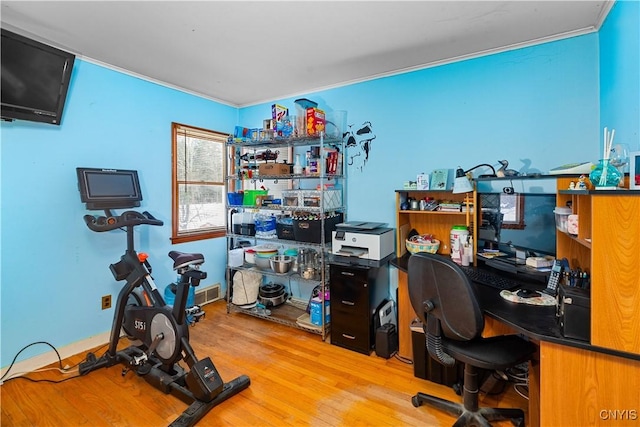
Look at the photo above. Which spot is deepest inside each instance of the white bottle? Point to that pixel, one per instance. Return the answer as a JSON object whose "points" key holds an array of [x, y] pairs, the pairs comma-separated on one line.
{"points": [[297, 167]]}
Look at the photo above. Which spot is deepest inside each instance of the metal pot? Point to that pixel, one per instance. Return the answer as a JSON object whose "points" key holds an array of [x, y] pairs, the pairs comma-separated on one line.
{"points": [[272, 295]]}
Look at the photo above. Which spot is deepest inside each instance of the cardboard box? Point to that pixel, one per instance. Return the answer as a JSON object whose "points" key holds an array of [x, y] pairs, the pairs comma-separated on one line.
{"points": [[274, 169], [315, 121], [278, 112]]}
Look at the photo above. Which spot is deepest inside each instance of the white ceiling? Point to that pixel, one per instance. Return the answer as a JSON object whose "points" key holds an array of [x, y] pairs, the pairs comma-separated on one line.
{"points": [[247, 52]]}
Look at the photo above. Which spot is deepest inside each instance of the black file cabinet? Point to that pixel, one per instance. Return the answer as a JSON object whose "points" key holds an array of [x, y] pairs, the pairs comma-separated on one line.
{"points": [[356, 293]]}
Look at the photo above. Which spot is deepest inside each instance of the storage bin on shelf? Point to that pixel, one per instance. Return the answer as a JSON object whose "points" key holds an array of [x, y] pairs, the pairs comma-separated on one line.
{"points": [[311, 198], [284, 228], [562, 215], [307, 227], [235, 199], [249, 198]]}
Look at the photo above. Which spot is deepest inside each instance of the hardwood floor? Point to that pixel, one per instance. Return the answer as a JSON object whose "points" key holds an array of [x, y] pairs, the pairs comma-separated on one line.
{"points": [[296, 380]]}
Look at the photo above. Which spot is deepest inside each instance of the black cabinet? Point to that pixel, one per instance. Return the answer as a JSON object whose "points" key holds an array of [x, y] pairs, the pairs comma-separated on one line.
{"points": [[356, 294]]}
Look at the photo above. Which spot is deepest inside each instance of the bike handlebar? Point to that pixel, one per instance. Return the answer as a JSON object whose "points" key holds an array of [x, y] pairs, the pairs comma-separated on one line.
{"points": [[128, 218]]}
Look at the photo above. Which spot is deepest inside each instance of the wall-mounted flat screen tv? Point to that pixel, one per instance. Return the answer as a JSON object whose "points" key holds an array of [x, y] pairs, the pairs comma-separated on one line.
{"points": [[35, 79]]}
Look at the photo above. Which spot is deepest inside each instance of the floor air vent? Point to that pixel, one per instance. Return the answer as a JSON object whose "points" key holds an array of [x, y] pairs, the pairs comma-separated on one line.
{"points": [[208, 294]]}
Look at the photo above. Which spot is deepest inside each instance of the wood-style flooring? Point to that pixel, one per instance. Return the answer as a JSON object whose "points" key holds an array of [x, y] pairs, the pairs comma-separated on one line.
{"points": [[296, 380]]}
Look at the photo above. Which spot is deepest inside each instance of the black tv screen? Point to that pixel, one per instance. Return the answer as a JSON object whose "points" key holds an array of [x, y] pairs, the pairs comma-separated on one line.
{"points": [[109, 188], [35, 79]]}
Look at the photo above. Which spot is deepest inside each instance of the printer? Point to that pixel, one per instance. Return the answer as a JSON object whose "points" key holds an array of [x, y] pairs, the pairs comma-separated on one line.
{"points": [[365, 240]]}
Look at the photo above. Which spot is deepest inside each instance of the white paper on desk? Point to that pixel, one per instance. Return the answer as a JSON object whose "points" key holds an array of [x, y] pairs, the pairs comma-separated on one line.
{"points": [[347, 251]]}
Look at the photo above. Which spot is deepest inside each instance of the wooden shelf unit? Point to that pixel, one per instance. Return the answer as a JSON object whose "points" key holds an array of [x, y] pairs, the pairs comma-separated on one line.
{"points": [[608, 247], [438, 224]]}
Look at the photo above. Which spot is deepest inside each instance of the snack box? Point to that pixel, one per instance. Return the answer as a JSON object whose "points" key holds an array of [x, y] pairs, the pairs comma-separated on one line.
{"points": [[278, 112], [315, 121]]}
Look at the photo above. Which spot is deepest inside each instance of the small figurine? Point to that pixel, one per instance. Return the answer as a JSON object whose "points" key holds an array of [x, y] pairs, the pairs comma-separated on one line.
{"points": [[582, 185], [503, 171], [572, 185]]}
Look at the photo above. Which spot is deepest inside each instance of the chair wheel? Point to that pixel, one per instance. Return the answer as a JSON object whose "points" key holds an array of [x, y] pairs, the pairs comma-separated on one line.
{"points": [[415, 401], [457, 389]]}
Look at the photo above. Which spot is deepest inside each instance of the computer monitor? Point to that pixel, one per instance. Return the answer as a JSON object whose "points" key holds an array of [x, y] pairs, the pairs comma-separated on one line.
{"points": [[102, 189], [517, 224]]}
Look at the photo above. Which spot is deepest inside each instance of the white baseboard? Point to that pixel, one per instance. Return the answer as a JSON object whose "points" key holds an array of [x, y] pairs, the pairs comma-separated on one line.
{"points": [[45, 359]]}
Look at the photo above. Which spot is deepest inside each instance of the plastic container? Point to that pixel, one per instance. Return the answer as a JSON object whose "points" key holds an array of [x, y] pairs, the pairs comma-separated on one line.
{"points": [[235, 199], [562, 216], [265, 226], [236, 257], [459, 236]]}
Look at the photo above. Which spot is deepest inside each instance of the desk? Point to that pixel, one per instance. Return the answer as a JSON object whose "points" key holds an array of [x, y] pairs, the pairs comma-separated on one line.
{"points": [[571, 383]]}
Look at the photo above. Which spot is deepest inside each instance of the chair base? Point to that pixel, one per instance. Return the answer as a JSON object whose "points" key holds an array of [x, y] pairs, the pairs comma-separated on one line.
{"points": [[480, 418]]}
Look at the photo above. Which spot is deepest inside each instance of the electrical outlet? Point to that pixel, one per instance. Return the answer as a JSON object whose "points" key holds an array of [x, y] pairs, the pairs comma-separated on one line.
{"points": [[106, 302]]}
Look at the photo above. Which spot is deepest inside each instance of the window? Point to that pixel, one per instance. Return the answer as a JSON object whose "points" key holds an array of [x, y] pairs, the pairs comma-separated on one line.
{"points": [[512, 207], [198, 191]]}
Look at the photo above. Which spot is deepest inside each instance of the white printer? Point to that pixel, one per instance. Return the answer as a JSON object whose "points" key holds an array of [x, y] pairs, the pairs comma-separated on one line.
{"points": [[366, 240]]}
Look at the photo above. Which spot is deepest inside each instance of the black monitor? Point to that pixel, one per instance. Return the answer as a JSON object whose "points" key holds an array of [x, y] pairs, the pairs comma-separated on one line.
{"points": [[102, 189], [513, 223], [35, 79]]}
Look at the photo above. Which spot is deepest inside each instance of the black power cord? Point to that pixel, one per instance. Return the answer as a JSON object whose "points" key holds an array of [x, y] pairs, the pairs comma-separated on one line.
{"points": [[60, 367]]}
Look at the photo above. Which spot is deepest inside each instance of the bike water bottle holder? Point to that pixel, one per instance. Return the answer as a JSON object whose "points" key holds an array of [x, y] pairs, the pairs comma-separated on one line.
{"points": [[120, 270]]}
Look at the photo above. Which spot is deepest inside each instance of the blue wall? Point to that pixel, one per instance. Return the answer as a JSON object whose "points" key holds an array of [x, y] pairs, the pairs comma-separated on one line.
{"points": [[619, 71], [537, 107], [54, 269]]}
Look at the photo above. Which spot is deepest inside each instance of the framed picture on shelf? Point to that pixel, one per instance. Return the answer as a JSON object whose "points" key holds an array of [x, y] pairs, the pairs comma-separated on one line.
{"points": [[634, 170], [439, 179]]}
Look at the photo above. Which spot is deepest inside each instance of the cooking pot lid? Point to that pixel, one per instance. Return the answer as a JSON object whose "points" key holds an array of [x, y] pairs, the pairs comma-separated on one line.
{"points": [[271, 290]]}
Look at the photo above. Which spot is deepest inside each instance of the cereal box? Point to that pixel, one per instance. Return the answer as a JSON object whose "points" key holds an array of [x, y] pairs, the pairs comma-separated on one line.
{"points": [[315, 121], [278, 112]]}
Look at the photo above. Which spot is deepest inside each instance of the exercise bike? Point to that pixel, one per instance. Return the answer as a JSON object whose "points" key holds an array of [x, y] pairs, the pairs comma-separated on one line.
{"points": [[160, 332]]}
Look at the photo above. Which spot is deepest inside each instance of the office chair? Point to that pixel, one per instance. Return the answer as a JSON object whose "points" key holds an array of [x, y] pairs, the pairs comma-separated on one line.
{"points": [[445, 301]]}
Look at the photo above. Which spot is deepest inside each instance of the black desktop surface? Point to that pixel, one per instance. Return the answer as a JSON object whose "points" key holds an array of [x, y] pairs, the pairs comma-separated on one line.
{"points": [[538, 323]]}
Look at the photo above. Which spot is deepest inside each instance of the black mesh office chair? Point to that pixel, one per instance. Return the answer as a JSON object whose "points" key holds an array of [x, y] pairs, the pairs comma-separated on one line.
{"points": [[445, 301]]}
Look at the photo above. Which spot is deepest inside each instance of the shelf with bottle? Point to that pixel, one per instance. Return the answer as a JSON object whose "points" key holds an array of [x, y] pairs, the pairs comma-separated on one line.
{"points": [[253, 283], [434, 213], [312, 205], [293, 312], [279, 142], [322, 160], [435, 202]]}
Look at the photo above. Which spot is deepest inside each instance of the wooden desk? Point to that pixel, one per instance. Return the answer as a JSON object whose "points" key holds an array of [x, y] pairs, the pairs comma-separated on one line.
{"points": [[571, 383]]}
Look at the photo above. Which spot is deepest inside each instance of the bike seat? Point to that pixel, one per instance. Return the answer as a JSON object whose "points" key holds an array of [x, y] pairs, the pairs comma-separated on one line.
{"points": [[183, 259]]}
